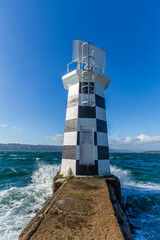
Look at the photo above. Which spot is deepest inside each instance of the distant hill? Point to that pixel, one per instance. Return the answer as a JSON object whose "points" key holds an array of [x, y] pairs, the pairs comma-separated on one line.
{"points": [[114, 151], [120, 151], [152, 151], [38, 148], [29, 148]]}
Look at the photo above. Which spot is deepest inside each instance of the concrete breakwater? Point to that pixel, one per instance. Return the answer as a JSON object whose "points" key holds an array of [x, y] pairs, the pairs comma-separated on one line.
{"points": [[81, 208]]}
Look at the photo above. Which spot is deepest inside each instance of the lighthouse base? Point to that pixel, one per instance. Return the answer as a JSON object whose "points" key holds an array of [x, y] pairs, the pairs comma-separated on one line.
{"points": [[74, 167]]}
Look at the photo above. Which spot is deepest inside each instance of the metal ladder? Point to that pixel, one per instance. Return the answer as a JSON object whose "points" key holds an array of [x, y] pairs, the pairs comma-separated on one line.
{"points": [[88, 76]]}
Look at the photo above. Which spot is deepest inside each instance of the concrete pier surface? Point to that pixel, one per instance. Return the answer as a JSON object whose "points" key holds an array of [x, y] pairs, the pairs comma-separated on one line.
{"points": [[80, 208]]}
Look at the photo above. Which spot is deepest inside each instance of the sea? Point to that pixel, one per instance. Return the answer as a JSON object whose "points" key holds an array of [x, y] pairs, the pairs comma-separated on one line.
{"points": [[26, 180]]}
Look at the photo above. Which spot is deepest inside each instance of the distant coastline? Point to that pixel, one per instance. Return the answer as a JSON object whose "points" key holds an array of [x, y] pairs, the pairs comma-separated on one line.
{"points": [[50, 148], [37, 148], [29, 148], [151, 152]]}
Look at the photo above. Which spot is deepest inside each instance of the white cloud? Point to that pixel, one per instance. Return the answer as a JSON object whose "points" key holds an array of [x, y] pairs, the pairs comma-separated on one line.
{"points": [[56, 139], [3, 125], [17, 128], [139, 143]]}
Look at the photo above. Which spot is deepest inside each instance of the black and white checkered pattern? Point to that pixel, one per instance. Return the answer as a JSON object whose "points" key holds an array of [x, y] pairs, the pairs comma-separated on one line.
{"points": [[77, 116]]}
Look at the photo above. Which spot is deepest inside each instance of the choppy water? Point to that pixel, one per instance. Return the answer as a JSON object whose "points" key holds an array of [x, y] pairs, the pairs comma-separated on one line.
{"points": [[26, 183], [140, 178]]}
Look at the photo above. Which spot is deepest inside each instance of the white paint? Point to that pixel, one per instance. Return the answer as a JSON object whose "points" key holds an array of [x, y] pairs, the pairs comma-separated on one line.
{"points": [[103, 167], [87, 122], [86, 154], [67, 164], [102, 139], [100, 113], [70, 138], [75, 76], [86, 146], [73, 90], [99, 90], [72, 113], [70, 79], [102, 79], [95, 153]]}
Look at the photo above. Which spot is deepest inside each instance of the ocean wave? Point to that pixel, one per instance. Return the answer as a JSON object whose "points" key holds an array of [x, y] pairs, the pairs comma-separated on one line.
{"points": [[123, 175], [114, 157], [141, 202], [126, 180], [19, 204], [14, 170]]}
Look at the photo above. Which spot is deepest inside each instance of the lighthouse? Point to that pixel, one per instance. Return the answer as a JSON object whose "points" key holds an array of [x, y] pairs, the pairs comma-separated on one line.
{"points": [[85, 145]]}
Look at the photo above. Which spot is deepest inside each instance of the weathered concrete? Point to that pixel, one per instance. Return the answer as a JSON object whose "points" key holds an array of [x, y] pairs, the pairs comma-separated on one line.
{"points": [[120, 215], [82, 208]]}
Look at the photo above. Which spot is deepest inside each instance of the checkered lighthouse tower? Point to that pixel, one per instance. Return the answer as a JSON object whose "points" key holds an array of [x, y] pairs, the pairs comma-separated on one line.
{"points": [[85, 146]]}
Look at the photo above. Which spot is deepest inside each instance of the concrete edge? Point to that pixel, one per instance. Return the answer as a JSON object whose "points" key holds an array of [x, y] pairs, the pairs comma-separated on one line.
{"points": [[59, 183], [115, 195], [35, 222]]}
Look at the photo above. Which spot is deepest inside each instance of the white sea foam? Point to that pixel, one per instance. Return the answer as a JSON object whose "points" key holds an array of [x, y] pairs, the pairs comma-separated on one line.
{"points": [[14, 170], [127, 181], [141, 200], [123, 175], [19, 205]]}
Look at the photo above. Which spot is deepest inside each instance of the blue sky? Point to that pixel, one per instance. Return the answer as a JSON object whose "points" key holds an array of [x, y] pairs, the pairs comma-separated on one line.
{"points": [[35, 46]]}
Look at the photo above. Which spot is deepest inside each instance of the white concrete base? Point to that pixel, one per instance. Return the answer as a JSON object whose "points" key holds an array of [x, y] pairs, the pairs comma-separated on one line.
{"points": [[103, 167], [68, 164]]}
